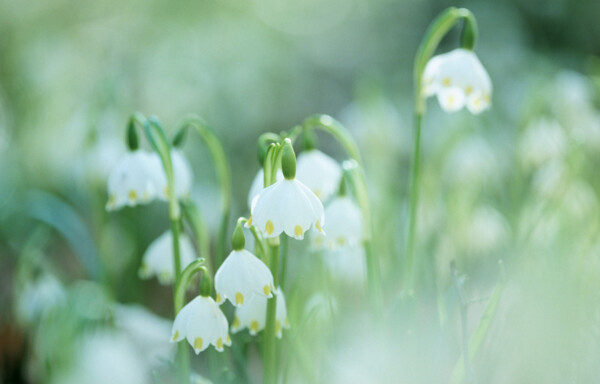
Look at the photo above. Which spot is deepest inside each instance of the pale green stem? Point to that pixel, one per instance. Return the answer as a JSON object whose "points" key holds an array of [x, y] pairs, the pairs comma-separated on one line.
{"points": [[269, 346]]}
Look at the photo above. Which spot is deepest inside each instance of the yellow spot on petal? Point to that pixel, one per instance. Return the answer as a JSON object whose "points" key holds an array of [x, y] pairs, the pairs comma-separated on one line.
{"points": [[267, 290], [218, 297], [487, 98], [297, 231], [132, 195], [447, 82], [468, 89], [477, 102], [269, 227], [249, 223], [228, 340], [277, 326], [111, 200], [341, 241], [175, 336], [236, 322], [318, 226], [318, 193], [287, 322], [146, 196], [254, 326], [219, 343], [198, 343], [239, 298], [451, 99]]}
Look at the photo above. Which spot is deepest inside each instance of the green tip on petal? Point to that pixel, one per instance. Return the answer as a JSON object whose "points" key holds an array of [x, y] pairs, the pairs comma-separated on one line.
{"points": [[288, 160]]}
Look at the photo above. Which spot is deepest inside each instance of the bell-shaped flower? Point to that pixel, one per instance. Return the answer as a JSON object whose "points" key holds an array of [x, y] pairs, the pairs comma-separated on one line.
{"points": [[182, 176], [132, 180], [458, 78], [253, 315], [287, 206], [258, 185], [202, 323], [158, 258], [344, 224], [241, 276], [319, 172]]}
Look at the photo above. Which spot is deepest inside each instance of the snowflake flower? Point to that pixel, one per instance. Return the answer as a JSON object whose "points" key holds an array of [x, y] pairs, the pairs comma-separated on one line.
{"points": [[158, 258], [319, 172], [344, 224], [132, 180], [253, 315]]}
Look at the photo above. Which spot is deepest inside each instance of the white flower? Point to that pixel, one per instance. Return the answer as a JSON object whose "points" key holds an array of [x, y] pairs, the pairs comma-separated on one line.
{"points": [[287, 206], [132, 180], [39, 297], [319, 172], [344, 224], [258, 185], [158, 258], [542, 141], [241, 276], [202, 323], [253, 315], [458, 79], [182, 176], [348, 264]]}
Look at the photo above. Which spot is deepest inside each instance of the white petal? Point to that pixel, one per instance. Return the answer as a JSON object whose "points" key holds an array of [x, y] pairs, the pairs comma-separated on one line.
{"points": [[258, 185], [131, 181], [319, 172], [158, 258]]}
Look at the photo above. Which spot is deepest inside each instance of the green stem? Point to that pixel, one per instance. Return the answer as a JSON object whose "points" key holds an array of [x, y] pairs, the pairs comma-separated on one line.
{"points": [[223, 174], [413, 207], [269, 347]]}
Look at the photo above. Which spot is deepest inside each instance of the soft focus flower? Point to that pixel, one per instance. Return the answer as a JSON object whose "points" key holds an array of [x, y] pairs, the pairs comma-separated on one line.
{"points": [[182, 176], [542, 141], [458, 79], [38, 297], [106, 357], [258, 185], [158, 258], [132, 180], [319, 172], [202, 323], [347, 264], [241, 276], [287, 206], [344, 224], [253, 315]]}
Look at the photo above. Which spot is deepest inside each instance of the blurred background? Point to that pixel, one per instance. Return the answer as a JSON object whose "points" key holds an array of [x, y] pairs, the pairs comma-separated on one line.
{"points": [[518, 183]]}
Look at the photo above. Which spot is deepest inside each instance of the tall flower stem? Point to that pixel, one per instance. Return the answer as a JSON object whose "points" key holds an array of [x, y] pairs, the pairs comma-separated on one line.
{"points": [[436, 31], [269, 351]]}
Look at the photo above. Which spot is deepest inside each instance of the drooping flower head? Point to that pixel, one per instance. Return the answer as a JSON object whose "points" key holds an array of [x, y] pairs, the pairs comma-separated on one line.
{"points": [[258, 185], [319, 172], [344, 224], [458, 79], [202, 323], [132, 180], [242, 275], [288, 205], [158, 258], [253, 315]]}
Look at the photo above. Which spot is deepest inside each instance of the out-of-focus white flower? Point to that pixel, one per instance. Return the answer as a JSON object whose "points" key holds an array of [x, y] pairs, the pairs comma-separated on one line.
{"points": [[486, 231], [132, 180], [253, 315], [202, 323], [146, 330], [38, 297], [458, 79], [158, 258], [287, 206], [348, 263], [344, 224], [182, 176], [542, 141], [241, 276], [106, 357], [319, 172], [471, 161], [258, 185]]}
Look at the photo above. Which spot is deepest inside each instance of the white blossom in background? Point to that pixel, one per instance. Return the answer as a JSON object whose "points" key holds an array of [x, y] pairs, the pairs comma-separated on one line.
{"points": [[472, 161], [287, 206], [182, 176], [253, 315], [241, 276], [347, 264], [146, 331], [132, 181], [486, 231], [319, 172], [258, 185], [344, 225], [202, 323], [106, 357], [158, 258], [39, 296], [458, 79], [542, 141]]}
